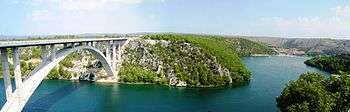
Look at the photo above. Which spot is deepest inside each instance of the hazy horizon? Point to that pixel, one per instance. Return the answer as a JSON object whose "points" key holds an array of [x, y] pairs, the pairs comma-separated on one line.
{"points": [[94, 34]]}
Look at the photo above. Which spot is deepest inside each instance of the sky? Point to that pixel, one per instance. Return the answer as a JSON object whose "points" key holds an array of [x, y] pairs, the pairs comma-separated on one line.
{"points": [[281, 18]]}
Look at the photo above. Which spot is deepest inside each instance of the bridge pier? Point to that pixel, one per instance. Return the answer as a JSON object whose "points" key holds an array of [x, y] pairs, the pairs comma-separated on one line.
{"points": [[65, 45], [73, 45], [17, 68], [43, 52], [6, 73], [53, 52], [108, 54], [114, 55], [93, 44], [97, 45], [119, 55]]}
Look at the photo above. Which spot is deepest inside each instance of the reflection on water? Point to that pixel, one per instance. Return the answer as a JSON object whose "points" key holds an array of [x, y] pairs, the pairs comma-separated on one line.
{"points": [[44, 103]]}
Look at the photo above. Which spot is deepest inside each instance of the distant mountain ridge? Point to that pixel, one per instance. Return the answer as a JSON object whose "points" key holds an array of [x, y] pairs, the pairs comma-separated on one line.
{"points": [[312, 46]]}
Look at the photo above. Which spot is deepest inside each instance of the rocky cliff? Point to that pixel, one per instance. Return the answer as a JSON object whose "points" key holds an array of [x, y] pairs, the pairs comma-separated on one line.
{"points": [[188, 60], [172, 63]]}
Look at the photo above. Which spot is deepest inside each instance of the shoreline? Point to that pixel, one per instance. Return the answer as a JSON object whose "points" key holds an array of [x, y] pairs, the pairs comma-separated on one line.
{"points": [[280, 55]]}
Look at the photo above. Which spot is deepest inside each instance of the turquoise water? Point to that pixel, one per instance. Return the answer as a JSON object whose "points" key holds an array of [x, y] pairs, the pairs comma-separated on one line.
{"points": [[270, 74]]}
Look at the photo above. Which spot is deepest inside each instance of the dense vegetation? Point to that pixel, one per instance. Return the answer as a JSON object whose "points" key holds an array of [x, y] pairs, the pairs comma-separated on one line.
{"points": [[193, 65], [244, 47], [216, 46], [312, 92], [135, 74], [179, 60], [333, 64]]}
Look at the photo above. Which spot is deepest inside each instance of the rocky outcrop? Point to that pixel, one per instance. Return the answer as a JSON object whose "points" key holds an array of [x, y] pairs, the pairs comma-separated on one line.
{"points": [[181, 63]]}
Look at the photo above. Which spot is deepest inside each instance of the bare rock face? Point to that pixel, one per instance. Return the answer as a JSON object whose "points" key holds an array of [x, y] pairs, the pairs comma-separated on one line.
{"points": [[173, 81], [86, 67], [183, 64], [87, 76], [181, 84]]}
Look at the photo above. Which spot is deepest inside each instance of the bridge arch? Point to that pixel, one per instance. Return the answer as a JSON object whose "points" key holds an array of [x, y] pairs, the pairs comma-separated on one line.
{"points": [[21, 95]]}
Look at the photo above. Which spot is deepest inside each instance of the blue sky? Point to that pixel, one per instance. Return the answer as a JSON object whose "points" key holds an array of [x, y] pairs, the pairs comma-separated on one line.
{"points": [[285, 18]]}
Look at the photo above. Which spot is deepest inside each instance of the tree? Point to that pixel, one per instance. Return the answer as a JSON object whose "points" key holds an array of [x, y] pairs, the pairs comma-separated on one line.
{"points": [[54, 74], [306, 93], [339, 86], [312, 92]]}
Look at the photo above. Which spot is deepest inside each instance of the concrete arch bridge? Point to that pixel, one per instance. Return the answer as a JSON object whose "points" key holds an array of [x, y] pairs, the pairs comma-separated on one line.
{"points": [[52, 52]]}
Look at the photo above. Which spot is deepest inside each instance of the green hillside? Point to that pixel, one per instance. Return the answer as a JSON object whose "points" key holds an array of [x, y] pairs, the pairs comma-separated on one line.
{"points": [[332, 64]]}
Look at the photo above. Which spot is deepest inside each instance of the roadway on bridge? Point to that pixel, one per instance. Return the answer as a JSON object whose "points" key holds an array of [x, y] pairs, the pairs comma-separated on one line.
{"points": [[8, 44]]}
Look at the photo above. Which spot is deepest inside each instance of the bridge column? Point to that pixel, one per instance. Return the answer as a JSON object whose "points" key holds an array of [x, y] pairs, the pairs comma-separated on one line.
{"points": [[43, 53], [108, 48], [114, 55], [17, 68], [97, 45], [53, 52], [93, 44], [6, 73], [73, 45], [65, 45], [119, 53]]}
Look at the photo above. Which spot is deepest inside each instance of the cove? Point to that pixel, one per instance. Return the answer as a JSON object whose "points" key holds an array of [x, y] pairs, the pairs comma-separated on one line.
{"points": [[269, 75]]}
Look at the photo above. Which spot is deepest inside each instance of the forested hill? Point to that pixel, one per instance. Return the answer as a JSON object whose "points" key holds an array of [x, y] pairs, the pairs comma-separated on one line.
{"points": [[332, 64], [188, 60], [245, 47]]}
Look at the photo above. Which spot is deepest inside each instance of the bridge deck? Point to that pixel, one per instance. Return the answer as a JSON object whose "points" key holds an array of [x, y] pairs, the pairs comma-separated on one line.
{"points": [[9, 44]]}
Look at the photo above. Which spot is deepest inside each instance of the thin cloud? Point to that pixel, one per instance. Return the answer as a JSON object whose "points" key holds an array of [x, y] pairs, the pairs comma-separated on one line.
{"points": [[94, 4], [336, 25], [80, 16]]}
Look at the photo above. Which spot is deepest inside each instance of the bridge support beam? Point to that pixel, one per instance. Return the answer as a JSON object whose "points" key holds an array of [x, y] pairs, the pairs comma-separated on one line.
{"points": [[53, 52], [119, 55], [114, 55], [6, 73], [17, 68], [93, 44], [65, 45], [73, 45], [108, 54], [44, 52]]}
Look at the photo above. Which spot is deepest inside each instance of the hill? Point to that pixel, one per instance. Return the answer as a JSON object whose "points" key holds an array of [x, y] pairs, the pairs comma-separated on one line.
{"points": [[333, 64], [312, 46], [188, 60]]}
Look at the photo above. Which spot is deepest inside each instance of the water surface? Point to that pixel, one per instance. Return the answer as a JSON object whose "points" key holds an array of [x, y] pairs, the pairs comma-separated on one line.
{"points": [[270, 74]]}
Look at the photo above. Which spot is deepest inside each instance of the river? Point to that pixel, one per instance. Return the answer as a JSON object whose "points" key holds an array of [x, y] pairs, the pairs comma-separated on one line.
{"points": [[270, 74]]}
